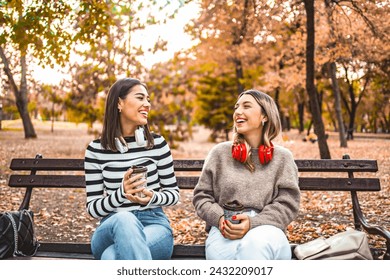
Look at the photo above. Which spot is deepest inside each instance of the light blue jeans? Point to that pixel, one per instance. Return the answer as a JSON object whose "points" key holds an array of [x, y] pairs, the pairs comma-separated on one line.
{"points": [[135, 235], [260, 243]]}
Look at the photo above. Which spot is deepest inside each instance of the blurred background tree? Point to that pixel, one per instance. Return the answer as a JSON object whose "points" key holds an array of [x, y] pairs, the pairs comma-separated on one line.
{"points": [[47, 32]]}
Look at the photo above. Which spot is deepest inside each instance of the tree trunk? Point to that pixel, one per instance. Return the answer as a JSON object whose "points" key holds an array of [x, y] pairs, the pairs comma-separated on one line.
{"points": [[352, 111], [332, 120], [52, 116], [337, 104], [239, 75], [282, 116], [301, 110], [20, 94], [387, 122], [288, 123], [319, 129], [227, 134], [237, 40], [1, 114], [351, 125], [354, 100]]}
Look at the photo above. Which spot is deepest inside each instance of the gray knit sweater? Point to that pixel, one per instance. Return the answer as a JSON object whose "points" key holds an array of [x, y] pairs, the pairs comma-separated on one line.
{"points": [[271, 190]]}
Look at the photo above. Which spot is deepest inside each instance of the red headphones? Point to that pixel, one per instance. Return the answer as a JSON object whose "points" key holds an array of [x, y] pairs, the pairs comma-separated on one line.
{"points": [[265, 153]]}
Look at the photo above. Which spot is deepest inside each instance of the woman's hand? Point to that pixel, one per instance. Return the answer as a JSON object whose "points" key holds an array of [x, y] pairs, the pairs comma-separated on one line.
{"points": [[130, 187], [234, 231]]}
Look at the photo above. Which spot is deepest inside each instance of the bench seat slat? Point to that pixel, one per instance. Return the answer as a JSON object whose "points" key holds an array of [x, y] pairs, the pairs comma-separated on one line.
{"points": [[83, 250], [65, 247], [188, 251], [41, 255], [339, 184], [47, 181]]}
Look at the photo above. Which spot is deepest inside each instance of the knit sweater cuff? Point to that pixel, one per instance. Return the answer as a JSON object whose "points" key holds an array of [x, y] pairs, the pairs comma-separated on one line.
{"points": [[121, 193], [215, 214]]}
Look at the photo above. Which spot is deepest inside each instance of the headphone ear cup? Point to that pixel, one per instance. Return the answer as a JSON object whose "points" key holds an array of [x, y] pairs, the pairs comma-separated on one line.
{"points": [[121, 146], [139, 136], [239, 152], [265, 154]]}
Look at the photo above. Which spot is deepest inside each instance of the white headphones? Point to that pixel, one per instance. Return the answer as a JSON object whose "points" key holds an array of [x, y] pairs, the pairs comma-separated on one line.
{"points": [[121, 144], [140, 136]]}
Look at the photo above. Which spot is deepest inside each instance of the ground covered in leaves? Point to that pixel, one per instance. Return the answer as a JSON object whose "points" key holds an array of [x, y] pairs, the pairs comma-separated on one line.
{"points": [[60, 214]]}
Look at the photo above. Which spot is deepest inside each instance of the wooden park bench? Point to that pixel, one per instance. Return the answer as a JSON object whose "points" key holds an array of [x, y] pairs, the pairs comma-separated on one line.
{"points": [[188, 181]]}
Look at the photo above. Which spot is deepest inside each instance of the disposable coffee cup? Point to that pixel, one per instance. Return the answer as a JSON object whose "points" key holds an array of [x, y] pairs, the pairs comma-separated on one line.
{"points": [[140, 170], [231, 209]]}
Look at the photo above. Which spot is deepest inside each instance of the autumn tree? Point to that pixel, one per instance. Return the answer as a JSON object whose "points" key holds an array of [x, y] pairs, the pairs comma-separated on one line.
{"points": [[171, 87], [31, 30], [117, 54], [215, 101], [227, 36], [81, 101], [48, 30], [379, 105], [284, 71], [332, 69], [232, 36], [358, 43], [53, 95], [315, 109]]}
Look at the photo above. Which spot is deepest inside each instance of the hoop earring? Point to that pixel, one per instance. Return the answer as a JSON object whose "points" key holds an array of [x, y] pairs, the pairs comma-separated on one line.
{"points": [[263, 122], [120, 110]]}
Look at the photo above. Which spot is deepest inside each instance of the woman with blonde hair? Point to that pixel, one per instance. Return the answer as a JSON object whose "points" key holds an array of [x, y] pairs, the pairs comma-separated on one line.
{"points": [[255, 173]]}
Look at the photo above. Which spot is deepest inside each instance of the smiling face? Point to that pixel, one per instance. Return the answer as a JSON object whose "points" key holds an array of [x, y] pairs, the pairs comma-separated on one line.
{"points": [[247, 119], [134, 109]]}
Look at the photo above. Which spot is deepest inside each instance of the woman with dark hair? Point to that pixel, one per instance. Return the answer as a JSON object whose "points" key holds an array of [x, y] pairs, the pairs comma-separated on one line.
{"points": [[257, 175], [132, 222]]}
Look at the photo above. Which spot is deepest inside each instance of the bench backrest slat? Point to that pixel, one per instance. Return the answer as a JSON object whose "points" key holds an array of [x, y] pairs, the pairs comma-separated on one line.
{"points": [[336, 165], [320, 165], [189, 182]]}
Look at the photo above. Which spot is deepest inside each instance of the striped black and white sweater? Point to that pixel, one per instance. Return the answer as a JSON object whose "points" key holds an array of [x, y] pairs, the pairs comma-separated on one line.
{"points": [[104, 170]]}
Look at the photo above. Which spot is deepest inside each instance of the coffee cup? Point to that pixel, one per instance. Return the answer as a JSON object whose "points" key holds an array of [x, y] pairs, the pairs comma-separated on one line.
{"points": [[231, 209], [140, 170]]}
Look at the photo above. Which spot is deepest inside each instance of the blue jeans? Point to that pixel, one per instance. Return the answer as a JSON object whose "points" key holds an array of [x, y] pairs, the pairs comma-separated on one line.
{"points": [[260, 243], [135, 235]]}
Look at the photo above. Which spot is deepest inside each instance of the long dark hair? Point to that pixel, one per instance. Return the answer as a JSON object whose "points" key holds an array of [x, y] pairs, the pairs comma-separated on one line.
{"points": [[111, 124]]}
